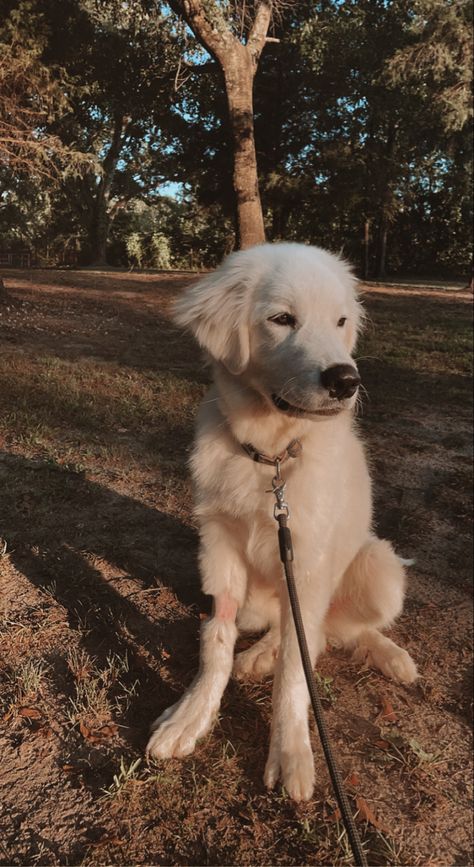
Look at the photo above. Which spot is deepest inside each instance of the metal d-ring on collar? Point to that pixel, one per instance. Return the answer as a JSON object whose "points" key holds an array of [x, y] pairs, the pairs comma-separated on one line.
{"points": [[293, 450]]}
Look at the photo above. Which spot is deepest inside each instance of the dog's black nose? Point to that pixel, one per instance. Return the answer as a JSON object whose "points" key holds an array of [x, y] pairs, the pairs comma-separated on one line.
{"points": [[341, 380]]}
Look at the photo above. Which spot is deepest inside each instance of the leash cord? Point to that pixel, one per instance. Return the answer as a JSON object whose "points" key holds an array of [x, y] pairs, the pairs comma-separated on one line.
{"points": [[286, 556]]}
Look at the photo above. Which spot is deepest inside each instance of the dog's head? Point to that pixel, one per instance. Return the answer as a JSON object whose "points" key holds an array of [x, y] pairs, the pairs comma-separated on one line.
{"points": [[284, 318]]}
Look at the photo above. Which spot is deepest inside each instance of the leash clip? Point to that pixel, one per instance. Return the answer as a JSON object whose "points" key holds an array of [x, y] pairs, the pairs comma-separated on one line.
{"points": [[278, 489]]}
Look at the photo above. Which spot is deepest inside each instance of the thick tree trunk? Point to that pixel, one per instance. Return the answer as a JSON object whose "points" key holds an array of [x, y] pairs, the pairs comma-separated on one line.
{"points": [[238, 76], [101, 218], [238, 61]]}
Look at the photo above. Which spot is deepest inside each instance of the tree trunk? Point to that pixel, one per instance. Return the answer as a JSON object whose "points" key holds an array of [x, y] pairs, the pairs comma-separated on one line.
{"points": [[238, 75], [387, 201], [7, 300], [101, 219], [366, 249], [238, 61], [382, 257], [99, 229], [3, 292]]}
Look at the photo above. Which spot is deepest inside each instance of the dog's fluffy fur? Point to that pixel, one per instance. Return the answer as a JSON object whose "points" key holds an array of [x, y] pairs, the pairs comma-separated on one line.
{"points": [[350, 583]]}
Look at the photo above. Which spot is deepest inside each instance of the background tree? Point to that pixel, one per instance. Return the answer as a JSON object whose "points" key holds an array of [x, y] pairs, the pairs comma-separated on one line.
{"points": [[30, 94], [123, 66], [234, 34]]}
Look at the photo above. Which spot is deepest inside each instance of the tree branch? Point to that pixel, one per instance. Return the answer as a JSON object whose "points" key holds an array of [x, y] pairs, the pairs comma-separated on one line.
{"points": [[214, 33], [209, 66], [259, 30]]}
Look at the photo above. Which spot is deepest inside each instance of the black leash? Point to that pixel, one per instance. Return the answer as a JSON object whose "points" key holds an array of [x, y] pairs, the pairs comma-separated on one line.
{"points": [[286, 555], [281, 513]]}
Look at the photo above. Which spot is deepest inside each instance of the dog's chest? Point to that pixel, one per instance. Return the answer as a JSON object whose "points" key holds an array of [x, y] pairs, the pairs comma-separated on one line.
{"points": [[315, 498], [318, 484]]}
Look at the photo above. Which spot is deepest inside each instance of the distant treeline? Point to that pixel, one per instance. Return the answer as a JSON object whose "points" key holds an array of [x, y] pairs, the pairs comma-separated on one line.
{"points": [[116, 142]]}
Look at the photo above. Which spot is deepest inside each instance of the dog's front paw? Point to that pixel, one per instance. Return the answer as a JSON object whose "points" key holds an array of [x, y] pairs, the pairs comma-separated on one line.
{"points": [[294, 767], [178, 728]]}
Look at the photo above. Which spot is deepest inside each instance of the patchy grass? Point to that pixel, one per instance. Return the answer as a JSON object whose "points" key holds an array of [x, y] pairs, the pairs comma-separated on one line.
{"points": [[436, 337], [100, 607]]}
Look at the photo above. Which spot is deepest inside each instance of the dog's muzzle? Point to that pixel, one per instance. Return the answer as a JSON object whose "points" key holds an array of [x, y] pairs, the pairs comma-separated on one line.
{"points": [[289, 408], [341, 381]]}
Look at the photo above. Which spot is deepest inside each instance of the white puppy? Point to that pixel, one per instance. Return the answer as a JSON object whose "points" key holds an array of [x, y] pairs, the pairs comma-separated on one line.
{"points": [[279, 323]]}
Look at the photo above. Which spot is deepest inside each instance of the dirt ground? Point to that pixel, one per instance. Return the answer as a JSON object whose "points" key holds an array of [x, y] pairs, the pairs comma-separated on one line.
{"points": [[100, 604]]}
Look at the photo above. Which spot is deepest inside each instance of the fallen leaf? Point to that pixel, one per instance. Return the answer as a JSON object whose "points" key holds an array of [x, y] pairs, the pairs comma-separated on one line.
{"points": [[336, 816], [30, 713], [387, 714], [367, 814], [70, 769], [352, 780], [358, 725], [382, 745], [45, 731], [108, 840], [85, 732], [109, 730]]}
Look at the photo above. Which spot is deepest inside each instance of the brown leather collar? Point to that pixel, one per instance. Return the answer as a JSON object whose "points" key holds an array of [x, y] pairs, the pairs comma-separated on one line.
{"points": [[293, 450]]}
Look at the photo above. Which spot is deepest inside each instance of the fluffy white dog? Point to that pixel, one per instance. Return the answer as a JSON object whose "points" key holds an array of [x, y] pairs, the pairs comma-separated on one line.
{"points": [[279, 323]]}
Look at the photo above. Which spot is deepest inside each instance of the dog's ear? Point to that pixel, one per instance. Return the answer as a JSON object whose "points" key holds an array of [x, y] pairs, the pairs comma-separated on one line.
{"points": [[216, 310], [356, 323], [357, 313]]}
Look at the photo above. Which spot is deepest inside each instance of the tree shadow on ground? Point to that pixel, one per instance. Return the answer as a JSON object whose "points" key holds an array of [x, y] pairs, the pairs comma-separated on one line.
{"points": [[109, 332], [125, 573]]}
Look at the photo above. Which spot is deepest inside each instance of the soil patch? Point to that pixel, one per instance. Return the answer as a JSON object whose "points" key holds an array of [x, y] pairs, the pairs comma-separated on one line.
{"points": [[100, 602]]}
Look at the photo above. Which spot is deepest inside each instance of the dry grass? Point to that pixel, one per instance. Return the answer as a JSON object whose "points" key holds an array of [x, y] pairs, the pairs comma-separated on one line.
{"points": [[100, 608]]}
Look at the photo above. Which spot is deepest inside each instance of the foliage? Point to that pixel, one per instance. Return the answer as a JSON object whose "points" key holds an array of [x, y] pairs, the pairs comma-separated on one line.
{"points": [[440, 57], [361, 120], [31, 94]]}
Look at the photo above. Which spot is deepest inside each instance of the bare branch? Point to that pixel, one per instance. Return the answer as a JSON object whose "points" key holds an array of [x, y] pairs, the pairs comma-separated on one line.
{"points": [[210, 66]]}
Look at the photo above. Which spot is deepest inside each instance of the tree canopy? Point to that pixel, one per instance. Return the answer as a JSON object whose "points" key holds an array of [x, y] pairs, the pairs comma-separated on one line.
{"points": [[118, 139]]}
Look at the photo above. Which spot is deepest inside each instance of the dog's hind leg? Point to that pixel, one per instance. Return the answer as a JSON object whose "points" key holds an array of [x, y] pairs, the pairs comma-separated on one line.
{"points": [[260, 611], [381, 652], [259, 660], [368, 599]]}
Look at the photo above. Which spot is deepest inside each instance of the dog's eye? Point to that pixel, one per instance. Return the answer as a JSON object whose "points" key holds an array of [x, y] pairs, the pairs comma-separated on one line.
{"points": [[283, 319], [342, 321]]}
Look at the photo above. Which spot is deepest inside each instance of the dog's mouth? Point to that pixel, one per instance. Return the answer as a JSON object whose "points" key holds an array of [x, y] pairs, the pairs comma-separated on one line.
{"points": [[290, 409]]}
